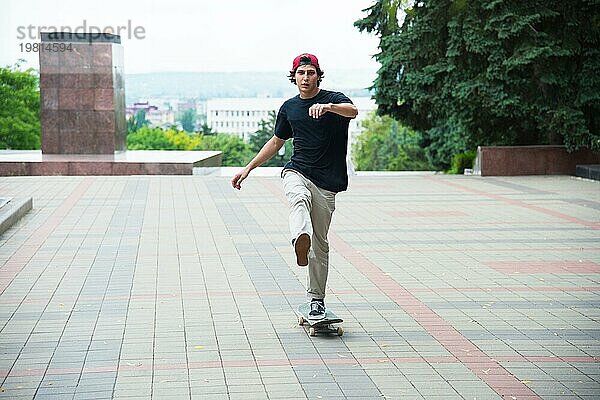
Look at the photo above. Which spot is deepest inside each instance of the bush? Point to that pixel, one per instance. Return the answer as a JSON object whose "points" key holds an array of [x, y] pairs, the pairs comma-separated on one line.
{"points": [[462, 161], [385, 145], [147, 138], [19, 109], [442, 142], [235, 151]]}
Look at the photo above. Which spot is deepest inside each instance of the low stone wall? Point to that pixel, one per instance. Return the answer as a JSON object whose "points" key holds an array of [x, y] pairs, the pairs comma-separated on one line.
{"points": [[136, 162], [531, 160]]}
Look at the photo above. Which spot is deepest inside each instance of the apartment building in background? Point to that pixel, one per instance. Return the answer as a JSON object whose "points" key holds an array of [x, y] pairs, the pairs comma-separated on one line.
{"points": [[240, 116]]}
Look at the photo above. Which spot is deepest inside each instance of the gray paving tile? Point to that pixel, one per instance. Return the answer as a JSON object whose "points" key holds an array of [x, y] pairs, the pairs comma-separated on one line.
{"points": [[162, 285]]}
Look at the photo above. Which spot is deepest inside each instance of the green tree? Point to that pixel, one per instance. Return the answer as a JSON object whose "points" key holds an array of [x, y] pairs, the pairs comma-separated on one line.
{"points": [[206, 130], [264, 134], [183, 140], [470, 73], [385, 145], [188, 120], [236, 152], [137, 121], [146, 138], [19, 109]]}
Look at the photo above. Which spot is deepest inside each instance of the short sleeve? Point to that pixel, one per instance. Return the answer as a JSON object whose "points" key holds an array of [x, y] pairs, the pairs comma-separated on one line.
{"points": [[283, 129], [339, 97]]}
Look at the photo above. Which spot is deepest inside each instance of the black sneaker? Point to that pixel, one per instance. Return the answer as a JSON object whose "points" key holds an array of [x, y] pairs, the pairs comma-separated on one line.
{"points": [[317, 310]]}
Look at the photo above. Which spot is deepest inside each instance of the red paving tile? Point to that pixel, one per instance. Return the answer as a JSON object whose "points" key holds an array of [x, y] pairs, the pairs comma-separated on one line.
{"points": [[21, 257], [449, 338]]}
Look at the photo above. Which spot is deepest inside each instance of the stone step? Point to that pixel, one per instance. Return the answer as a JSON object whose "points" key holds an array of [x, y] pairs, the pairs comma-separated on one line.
{"points": [[11, 210], [590, 171]]}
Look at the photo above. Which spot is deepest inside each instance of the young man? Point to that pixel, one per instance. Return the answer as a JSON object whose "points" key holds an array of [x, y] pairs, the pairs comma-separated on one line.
{"points": [[317, 120]]}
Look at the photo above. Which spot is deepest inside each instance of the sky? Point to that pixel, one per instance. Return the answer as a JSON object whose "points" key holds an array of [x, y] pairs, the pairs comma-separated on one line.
{"points": [[202, 35]]}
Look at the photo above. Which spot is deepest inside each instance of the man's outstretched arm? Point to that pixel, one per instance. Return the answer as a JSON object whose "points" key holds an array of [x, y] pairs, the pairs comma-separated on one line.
{"points": [[268, 150]]}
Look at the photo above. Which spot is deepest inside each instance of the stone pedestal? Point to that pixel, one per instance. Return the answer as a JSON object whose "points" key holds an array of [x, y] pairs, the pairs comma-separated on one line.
{"points": [[82, 94], [84, 131]]}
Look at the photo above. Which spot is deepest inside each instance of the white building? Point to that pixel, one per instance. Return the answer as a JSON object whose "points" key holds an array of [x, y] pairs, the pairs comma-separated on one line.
{"points": [[242, 116]]}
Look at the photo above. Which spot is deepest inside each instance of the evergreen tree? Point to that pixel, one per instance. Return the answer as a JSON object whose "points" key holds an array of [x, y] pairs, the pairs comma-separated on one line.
{"points": [[483, 72], [206, 130], [188, 120], [262, 136], [137, 121]]}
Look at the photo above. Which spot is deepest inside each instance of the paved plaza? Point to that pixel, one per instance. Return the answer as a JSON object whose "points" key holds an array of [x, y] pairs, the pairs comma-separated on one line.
{"points": [[164, 287]]}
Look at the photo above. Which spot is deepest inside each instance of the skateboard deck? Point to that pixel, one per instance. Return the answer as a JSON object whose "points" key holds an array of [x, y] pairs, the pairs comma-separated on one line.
{"points": [[324, 325]]}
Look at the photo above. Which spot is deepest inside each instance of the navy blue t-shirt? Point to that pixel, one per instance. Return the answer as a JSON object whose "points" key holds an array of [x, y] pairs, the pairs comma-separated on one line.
{"points": [[319, 144]]}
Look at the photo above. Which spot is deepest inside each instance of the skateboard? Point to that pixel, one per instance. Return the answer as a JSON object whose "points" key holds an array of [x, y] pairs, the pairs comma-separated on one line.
{"points": [[322, 325]]}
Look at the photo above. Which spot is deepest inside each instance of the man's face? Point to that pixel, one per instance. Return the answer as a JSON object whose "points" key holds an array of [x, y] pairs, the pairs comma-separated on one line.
{"points": [[306, 79]]}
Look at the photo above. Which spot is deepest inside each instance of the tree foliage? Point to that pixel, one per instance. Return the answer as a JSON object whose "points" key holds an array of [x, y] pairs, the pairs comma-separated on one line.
{"points": [[137, 121], [385, 145], [235, 151], [146, 138], [188, 120], [263, 135], [19, 109], [483, 72], [205, 129]]}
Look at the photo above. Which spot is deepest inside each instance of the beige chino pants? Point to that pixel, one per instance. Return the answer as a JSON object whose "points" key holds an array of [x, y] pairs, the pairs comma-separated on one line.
{"points": [[311, 209]]}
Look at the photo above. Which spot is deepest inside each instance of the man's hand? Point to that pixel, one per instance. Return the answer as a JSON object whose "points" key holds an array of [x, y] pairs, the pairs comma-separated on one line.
{"points": [[347, 110], [237, 179], [268, 150], [316, 110]]}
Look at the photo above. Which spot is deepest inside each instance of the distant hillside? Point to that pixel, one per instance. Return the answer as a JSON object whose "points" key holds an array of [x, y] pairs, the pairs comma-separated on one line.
{"points": [[205, 85]]}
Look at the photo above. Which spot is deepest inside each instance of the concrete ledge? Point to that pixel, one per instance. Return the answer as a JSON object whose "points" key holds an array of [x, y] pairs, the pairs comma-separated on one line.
{"points": [[142, 162], [12, 211], [588, 171], [532, 160]]}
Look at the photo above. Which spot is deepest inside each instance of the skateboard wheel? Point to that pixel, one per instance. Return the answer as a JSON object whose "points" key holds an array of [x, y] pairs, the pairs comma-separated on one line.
{"points": [[340, 331], [301, 320], [312, 331]]}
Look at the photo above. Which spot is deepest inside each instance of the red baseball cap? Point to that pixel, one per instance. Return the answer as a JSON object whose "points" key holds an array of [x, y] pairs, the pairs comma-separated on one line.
{"points": [[313, 60]]}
